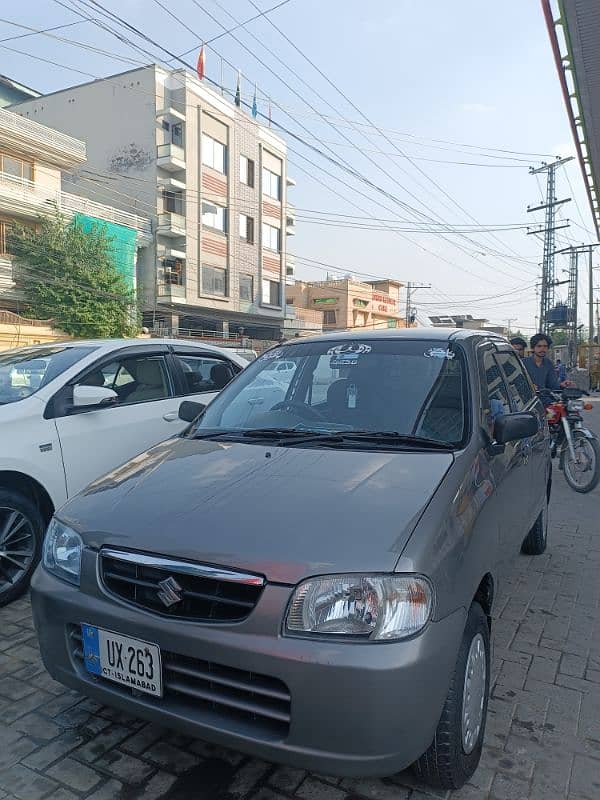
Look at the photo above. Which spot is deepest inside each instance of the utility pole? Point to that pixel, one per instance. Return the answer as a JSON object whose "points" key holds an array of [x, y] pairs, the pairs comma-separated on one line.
{"points": [[508, 321], [410, 288], [591, 314], [572, 297], [548, 229]]}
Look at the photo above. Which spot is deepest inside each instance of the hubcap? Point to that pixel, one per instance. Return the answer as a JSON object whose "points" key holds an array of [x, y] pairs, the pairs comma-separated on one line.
{"points": [[474, 694], [17, 547]]}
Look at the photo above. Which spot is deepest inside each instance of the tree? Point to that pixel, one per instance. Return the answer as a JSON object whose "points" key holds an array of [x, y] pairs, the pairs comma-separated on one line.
{"points": [[68, 275]]}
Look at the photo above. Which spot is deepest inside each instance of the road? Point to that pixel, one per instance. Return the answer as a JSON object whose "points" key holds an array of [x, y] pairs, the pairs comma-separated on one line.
{"points": [[542, 739]]}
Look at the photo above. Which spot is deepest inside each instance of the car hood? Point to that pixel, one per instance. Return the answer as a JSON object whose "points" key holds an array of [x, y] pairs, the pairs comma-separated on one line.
{"points": [[286, 513]]}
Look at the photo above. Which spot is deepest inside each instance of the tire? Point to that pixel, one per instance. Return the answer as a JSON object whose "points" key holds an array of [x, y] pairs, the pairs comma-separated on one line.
{"points": [[594, 473], [534, 544], [22, 529], [454, 754]]}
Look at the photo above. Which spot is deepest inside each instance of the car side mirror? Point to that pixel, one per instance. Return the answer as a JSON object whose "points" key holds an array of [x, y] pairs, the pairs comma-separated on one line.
{"points": [[512, 427], [85, 396], [189, 410]]}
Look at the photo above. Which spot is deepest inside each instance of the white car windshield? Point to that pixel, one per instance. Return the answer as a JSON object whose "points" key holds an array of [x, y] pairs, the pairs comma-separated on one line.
{"points": [[24, 371], [389, 386]]}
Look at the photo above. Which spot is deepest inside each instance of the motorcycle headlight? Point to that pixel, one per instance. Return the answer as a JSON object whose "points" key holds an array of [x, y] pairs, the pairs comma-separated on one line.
{"points": [[374, 607], [575, 405], [62, 552]]}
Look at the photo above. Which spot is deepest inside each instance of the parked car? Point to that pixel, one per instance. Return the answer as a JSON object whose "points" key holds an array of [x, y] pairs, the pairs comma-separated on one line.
{"points": [[71, 412], [307, 576]]}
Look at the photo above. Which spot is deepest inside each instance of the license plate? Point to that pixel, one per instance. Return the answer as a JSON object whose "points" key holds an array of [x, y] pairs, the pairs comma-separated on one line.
{"points": [[131, 662]]}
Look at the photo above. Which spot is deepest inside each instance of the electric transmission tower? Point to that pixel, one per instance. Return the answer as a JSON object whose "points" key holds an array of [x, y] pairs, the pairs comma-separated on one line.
{"points": [[548, 229]]}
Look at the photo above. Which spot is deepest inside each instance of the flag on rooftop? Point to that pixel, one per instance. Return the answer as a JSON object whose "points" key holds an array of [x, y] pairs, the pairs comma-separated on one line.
{"points": [[201, 63]]}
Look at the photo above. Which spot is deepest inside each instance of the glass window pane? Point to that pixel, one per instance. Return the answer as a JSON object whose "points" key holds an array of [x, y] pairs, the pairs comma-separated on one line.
{"points": [[12, 166], [518, 383], [204, 374], [246, 288], [214, 281]]}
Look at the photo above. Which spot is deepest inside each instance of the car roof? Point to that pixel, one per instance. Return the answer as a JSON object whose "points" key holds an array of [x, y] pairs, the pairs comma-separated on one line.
{"points": [[424, 333]]}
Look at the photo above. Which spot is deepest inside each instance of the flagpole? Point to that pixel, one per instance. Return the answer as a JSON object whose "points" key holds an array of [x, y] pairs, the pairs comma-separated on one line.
{"points": [[222, 79]]}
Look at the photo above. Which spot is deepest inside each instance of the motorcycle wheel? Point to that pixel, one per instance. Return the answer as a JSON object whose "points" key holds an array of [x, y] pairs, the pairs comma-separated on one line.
{"points": [[583, 474]]}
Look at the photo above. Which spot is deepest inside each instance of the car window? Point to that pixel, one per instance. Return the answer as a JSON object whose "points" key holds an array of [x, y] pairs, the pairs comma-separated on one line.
{"points": [[415, 388], [518, 383], [135, 379], [26, 370], [496, 400], [204, 374]]}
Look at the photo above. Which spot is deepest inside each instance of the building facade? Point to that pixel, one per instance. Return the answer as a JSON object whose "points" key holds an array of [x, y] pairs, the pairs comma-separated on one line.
{"points": [[33, 159], [467, 321], [13, 92], [213, 181], [348, 303]]}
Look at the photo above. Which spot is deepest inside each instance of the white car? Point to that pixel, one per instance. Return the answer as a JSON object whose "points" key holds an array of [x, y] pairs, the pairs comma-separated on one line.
{"points": [[71, 412]]}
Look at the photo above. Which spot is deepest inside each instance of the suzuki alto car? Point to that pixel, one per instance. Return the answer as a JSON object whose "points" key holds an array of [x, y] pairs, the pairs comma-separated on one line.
{"points": [[308, 572]]}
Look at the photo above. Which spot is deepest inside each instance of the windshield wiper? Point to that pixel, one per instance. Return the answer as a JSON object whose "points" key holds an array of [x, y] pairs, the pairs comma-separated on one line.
{"points": [[393, 437], [291, 435]]}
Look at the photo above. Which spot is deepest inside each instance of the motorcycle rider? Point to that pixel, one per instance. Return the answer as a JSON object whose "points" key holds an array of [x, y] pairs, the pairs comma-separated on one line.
{"points": [[519, 345], [541, 370]]}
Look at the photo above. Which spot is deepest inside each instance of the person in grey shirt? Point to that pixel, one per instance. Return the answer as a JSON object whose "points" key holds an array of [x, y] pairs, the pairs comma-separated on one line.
{"points": [[541, 370]]}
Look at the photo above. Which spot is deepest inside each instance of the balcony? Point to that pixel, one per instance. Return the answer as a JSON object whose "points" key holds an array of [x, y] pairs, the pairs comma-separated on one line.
{"points": [[290, 221], [170, 252], [170, 224], [168, 292], [40, 141], [171, 114], [170, 157], [290, 269], [171, 184]]}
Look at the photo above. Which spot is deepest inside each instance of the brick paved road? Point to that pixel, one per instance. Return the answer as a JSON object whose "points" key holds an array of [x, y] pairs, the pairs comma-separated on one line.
{"points": [[542, 741]]}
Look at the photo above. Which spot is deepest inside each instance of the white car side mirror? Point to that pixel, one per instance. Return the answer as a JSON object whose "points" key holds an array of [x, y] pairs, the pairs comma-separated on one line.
{"points": [[93, 396]]}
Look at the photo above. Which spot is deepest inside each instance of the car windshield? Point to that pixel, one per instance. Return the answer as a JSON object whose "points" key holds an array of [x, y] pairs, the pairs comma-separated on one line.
{"points": [[403, 387], [24, 371]]}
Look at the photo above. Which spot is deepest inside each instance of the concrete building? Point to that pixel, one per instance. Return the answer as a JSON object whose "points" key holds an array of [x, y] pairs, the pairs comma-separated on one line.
{"points": [[33, 158], [348, 303], [213, 181], [467, 321]]}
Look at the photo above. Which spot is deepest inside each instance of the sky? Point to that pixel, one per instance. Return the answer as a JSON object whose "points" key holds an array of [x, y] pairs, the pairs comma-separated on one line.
{"points": [[382, 92]]}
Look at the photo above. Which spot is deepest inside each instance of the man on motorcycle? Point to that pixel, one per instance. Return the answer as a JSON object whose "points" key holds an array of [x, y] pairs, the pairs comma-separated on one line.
{"points": [[519, 345], [540, 368]]}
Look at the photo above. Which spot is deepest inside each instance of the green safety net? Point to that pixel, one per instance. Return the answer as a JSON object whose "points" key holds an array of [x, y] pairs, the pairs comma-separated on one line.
{"points": [[123, 242]]}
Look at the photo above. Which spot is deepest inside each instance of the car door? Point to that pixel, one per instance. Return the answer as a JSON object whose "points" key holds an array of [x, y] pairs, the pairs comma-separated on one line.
{"points": [[534, 450], [507, 465], [201, 375], [94, 440]]}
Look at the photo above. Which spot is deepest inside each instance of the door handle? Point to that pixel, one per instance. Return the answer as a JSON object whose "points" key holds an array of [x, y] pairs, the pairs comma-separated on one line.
{"points": [[171, 416]]}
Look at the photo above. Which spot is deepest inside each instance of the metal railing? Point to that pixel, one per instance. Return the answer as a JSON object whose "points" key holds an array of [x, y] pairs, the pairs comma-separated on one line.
{"points": [[9, 318], [40, 136]]}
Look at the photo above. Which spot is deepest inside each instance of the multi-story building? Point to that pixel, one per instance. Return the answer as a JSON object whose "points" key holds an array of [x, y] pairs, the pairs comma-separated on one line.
{"points": [[13, 92], [213, 180], [33, 158], [348, 303], [467, 321]]}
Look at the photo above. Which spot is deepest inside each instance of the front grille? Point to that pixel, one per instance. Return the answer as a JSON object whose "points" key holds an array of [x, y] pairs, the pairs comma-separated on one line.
{"points": [[203, 691], [207, 594]]}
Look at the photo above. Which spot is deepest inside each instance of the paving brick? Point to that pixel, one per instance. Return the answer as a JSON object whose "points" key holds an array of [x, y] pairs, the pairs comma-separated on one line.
{"points": [[15, 710], [74, 774], [37, 726], [312, 789], [171, 758], [14, 689], [287, 778], [62, 794], [372, 788], [45, 756], [246, 778], [572, 665], [213, 751], [26, 784], [509, 788], [125, 767], [12, 752], [585, 778], [101, 744], [110, 790], [158, 786]]}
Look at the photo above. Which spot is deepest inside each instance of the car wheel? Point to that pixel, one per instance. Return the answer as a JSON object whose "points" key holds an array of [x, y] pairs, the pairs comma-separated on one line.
{"points": [[21, 532], [454, 754], [536, 540]]}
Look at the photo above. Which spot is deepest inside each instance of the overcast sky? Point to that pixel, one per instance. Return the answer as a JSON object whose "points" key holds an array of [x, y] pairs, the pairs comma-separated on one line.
{"points": [[461, 81]]}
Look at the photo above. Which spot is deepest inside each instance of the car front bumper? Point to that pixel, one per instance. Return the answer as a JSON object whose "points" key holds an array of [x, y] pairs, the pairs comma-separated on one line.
{"points": [[353, 709]]}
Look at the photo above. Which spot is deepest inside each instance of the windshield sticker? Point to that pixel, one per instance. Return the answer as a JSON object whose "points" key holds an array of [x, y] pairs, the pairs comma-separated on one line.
{"points": [[343, 349], [343, 360], [439, 352], [271, 354]]}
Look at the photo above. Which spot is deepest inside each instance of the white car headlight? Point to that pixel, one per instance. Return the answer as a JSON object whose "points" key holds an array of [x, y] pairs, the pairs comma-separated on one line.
{"points": [[376, 607], [62, 552]]}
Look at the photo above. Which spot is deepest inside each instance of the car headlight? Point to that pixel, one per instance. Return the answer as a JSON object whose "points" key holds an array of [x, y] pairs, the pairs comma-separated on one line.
{"points": [[376, 607], [62, 552]]}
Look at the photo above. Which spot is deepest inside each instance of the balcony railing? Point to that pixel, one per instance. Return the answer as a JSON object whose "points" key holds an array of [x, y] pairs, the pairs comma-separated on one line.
{"points": [[170, 224], [40, 140], [170, 157]]}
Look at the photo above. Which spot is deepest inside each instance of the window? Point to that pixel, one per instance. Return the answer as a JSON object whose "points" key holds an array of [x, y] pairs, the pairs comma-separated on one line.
{"points": [[495, 388], [271, 237], [16, 167], [214, 281], [3, 234], [247, 171], [173, 268], [518, 383], [271, 184], [214, 154], [204, 374], [214, 216], [247, 288], [247, 228], [177, 134], [329, 317], [24, 371], [137, 379], [173, 202], [271, 293]]}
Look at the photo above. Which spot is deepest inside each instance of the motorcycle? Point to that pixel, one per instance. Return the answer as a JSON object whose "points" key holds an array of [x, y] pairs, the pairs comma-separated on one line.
{"points": [[577, 447]]}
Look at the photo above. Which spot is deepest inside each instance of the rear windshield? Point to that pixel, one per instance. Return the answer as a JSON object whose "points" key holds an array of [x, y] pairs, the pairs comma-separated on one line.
{"points": [[409, 387], [24, 371]]}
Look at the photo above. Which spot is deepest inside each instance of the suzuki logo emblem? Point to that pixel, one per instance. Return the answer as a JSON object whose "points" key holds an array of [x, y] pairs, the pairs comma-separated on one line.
{"points": [[170, 592]]}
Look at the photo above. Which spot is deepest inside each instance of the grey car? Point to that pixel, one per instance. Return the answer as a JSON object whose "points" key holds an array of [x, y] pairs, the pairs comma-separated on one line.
{"points": [[308, 573]]}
